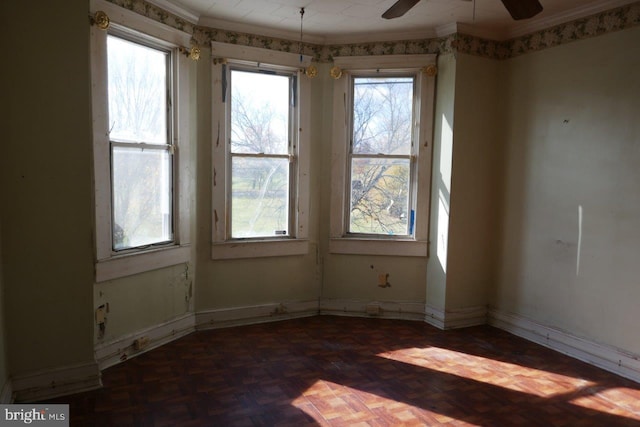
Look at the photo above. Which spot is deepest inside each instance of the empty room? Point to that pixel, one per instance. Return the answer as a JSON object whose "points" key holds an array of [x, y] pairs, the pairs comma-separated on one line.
{"points": [[320, 212]]}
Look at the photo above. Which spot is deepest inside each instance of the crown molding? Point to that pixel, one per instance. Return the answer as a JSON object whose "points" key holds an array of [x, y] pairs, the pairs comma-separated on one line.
{"points": [[540, 24], [447, 29], [177, 10], [497, 34], [519, 29], [370, 37], [222, 25], [534, 25], [493, 42], [373, 37]]}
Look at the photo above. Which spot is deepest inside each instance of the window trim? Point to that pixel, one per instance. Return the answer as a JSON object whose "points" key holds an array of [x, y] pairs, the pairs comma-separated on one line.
{"points": [[222, 246], [352, 243], [110, 264]]}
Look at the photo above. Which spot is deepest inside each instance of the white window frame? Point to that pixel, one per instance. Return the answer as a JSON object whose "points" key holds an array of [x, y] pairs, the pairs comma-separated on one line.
{"points": [[340, 241], [223, 246], [110, 264]]}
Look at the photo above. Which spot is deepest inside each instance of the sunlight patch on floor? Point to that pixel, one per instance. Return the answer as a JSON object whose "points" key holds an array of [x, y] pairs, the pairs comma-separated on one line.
{"points": [[614, 401], [489, 371], [328, 402]]}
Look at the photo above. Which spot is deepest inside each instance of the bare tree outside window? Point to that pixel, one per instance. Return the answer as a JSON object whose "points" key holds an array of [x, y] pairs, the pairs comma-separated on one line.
{"points": [[141, 161], [381, 155], [260, 141]]}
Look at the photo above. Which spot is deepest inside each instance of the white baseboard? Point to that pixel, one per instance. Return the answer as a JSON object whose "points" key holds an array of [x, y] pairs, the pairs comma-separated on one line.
{"points": [[406, 310], [434, 316], [122, 348], [606, 357], [457, 318], [50, 383], [237, 316], [6, 395]]}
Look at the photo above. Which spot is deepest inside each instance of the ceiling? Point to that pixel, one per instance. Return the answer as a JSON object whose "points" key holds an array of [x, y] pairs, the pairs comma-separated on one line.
{"points": [[349, 21]]}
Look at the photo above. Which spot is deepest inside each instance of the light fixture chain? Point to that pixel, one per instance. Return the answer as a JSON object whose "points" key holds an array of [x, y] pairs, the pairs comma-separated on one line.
{"points": [[300, 45]]}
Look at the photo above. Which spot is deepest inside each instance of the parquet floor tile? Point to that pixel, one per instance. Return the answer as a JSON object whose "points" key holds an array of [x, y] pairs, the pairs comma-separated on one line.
{"points": [[340, 371]]}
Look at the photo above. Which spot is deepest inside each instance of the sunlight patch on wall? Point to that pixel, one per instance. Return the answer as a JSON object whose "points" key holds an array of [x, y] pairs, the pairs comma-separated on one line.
{"points": [[446, 155], [444, 166], [443, 231], [579, 240]]}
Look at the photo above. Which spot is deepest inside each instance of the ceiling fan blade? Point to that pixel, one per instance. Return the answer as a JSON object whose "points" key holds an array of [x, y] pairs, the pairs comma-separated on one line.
{"points": [[399, 8], [522, 9]]}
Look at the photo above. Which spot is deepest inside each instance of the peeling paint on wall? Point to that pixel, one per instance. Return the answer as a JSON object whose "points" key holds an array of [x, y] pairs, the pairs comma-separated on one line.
{"points": [[144, 300]]}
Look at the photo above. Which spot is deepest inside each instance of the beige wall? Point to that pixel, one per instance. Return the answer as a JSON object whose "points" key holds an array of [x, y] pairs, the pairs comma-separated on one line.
{"points": [[464, 194], [573, 142], [247, 282], [355, 277], [474, 183], [4, 368], [152, 298], [441, 182], [46, 194], [144, 300], [568, 118]]}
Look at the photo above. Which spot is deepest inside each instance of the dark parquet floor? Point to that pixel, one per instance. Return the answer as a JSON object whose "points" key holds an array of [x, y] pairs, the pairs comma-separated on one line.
{"points": [[341, 371]]}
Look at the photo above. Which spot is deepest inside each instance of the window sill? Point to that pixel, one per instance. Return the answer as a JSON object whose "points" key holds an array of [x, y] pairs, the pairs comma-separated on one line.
{"points": [[259, 248], [355, 246], [134, 263]]}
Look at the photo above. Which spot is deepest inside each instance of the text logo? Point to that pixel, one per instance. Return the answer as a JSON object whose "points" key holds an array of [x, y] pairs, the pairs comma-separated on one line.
{"points": [[33, 414]]}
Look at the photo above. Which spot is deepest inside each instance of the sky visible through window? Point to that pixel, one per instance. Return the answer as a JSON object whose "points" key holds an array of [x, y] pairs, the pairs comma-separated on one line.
{"points": [[141, 163], [380, 165], [260, 172]]}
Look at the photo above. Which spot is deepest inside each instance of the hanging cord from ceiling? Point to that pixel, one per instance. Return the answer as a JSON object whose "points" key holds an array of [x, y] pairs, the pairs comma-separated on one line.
{"points": [[300, 45], [310, 71]]}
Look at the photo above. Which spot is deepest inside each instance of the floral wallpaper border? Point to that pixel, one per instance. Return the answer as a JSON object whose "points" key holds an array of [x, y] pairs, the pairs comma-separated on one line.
{"points": [[598, 24], [157, 14], [595, 25]]}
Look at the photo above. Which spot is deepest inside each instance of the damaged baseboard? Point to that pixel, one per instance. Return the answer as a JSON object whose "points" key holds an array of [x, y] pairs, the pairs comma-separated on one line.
{"points": [[50, 383], [406, 310], [123, 348], [457, 318], [609, 358], [6, 395], [237, 316]]}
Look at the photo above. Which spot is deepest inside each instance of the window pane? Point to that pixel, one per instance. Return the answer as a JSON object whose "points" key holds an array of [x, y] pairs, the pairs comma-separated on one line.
{"points": [[137, 92], [382, 113], [259, 113], [141, 197], [260, 197], [380, 196]]}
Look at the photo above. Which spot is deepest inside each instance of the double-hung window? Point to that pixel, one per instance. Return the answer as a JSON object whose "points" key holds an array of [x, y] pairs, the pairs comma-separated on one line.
{"points": [[381, 148], [140, 144], [383, 114], [260, 153]]}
